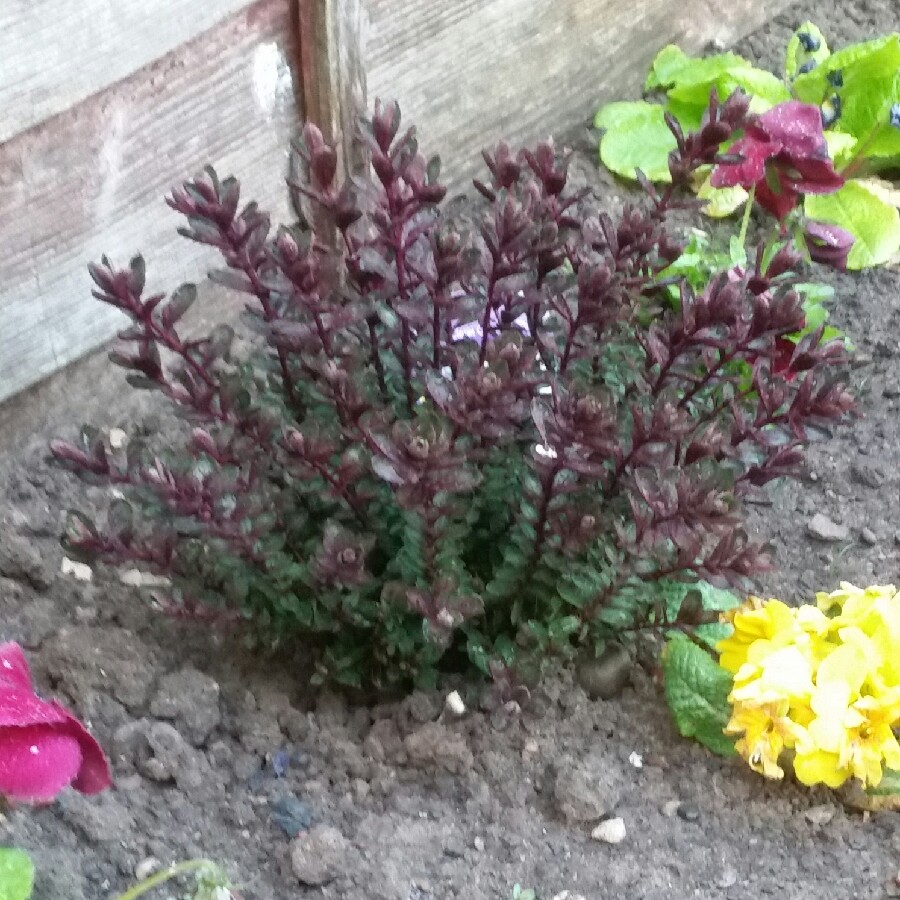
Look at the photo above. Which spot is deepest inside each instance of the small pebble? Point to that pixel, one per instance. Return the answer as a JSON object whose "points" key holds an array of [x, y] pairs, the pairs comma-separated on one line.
{"points": [[819, 815], [146, 867], [610, 831], [117, 438], [454, 703], [671, 807], [688, 811], [605, 677], [79, 571], [869, 537], [478, 844]]}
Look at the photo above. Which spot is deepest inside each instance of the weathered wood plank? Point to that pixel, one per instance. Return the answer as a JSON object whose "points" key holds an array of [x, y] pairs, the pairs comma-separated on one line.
{"points": [[55, 53], [92, 181], [332, 75], [469, 72]]}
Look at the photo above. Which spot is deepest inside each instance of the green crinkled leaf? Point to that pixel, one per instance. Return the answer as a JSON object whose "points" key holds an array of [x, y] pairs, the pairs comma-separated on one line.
{"points": [[889, 786], [16, 874], [814, 87], [796, 55], [721, 202], [871, 85], [871, 88], [636, 137], [697, 690], [665, 67], [692, 80], [874, 223], [713, 598]]}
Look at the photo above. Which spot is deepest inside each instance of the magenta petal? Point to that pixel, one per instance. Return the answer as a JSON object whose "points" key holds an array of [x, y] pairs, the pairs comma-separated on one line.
{"points": [[94, 775], [14, 672], [751, 169], [18, 708], [817, 176], [796, 126], [36, 763], [779, 204]]}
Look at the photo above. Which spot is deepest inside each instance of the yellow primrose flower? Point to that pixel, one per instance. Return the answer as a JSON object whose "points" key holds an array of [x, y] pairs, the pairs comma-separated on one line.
{"points": [[767, 731], [822, 680], [772, 675], [757, 619]]}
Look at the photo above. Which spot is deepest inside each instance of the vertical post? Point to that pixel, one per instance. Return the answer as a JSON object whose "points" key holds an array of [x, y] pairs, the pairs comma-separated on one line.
{"points": [[332, 72]]}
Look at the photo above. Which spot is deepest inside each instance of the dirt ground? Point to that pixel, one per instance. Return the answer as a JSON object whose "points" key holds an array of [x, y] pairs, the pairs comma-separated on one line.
{"points": [[213, 746]]}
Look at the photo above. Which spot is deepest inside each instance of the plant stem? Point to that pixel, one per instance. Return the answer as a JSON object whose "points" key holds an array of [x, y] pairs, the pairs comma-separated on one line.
{"points": [[855, 163], [173, 871], [745, 221]]}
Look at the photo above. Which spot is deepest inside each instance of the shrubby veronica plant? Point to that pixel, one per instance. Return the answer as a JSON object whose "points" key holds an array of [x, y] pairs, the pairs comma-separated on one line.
{"points": [[457, 449]]}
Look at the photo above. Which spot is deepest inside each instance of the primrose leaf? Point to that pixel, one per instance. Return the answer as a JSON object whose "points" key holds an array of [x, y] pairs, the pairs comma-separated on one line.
{"points": [[814, 86], [840, 147], [636, 137], [16, 874], [868, 73], [721, 202], [871, 88], [697, 690], [668, 62], [873, 222], [807, 45], [712, 598], [692, 82], [888, 786]]}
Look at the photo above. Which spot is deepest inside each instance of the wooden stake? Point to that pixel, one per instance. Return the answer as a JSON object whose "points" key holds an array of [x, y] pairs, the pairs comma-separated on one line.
{"points": [[332, 47]]}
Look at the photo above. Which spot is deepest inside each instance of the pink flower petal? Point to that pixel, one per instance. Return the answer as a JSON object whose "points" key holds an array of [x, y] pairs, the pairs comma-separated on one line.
{"points": [[36, 763], [94, 775], [14, 670], [18, 708]]}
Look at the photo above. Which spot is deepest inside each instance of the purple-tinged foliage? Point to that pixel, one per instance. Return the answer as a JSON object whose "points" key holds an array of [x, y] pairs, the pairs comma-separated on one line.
{"points": [[497, 446]]}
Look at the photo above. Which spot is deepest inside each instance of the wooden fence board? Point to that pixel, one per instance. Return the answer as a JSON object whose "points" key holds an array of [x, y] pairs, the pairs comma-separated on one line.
{"points": [[469, 72], [55, 53], [92, 181]]}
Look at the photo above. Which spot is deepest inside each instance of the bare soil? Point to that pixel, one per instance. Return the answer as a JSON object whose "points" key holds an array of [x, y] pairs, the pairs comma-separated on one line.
{"points": [[208, 740]]}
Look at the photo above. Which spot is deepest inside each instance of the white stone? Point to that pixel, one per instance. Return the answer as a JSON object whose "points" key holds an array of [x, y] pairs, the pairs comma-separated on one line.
{"points": [[117, 438], [78, 570], [610, 831], [137, 578], [455, 703]]}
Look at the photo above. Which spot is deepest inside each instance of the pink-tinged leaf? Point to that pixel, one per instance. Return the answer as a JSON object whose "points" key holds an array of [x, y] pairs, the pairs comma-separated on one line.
{"points": [[14, 671], [36, 763]]}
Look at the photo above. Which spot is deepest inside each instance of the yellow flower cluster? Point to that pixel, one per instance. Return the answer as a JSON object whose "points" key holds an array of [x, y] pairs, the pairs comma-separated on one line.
{"points": [[821, 681]]}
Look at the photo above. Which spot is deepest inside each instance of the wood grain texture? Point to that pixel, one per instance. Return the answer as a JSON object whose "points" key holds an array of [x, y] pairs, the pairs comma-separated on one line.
{"points": [[92, 181], [469, 72], [332, 74], [55, 53]]}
